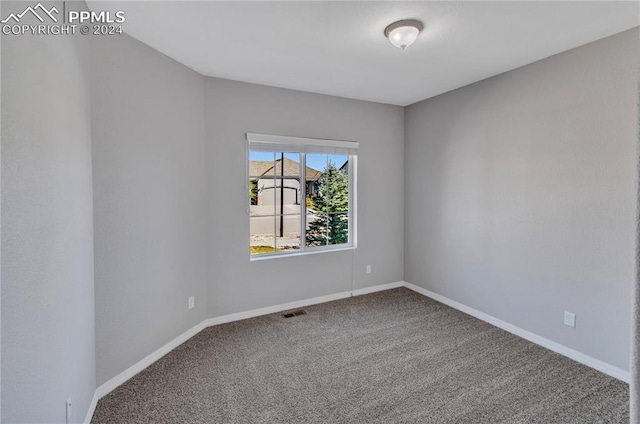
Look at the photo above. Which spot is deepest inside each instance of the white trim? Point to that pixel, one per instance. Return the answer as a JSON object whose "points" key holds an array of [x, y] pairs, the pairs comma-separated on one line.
{"points": [[353, 200], [92, 408], [381, 287], [580, 357], [303, 201], [301, 141], [303, 213], [125, 375], [307, 251], [223, 319]]}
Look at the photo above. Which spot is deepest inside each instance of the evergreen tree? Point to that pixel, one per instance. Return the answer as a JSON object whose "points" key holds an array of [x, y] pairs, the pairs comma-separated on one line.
{"points": [[253, 191], [332, 196]]}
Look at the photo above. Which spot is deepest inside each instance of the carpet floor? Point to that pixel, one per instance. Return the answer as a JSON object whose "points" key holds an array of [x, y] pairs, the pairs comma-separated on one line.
{"points": [[387, 357]]}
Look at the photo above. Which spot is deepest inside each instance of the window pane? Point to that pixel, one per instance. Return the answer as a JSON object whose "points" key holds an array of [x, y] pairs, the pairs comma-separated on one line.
{"points": [[261, 183], [338, 227], [262, 210], [289, 238], [274, 189], [330, 202], [315, 164], [287, 183], [262, 235], [339, 161], [317, 234], [275, 198]]}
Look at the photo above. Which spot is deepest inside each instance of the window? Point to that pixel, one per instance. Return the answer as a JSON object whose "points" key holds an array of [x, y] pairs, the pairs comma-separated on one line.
{"points": [[301, 194]]}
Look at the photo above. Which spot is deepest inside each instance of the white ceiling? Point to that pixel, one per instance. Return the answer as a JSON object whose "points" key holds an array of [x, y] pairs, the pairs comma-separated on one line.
{"points": [[339, 48]]}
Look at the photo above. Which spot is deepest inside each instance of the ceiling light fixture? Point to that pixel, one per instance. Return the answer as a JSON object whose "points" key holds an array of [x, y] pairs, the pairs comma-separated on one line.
{"points": [[403, 33]]}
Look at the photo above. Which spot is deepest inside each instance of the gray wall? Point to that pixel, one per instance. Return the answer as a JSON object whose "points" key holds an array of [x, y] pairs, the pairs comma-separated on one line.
{"points": [[520, 195], [232, 109], [149, 200], [169, 165], [48, 350]]}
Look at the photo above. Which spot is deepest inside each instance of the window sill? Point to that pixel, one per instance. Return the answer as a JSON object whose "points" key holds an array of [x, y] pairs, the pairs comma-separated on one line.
{"points": [[305, 253]]}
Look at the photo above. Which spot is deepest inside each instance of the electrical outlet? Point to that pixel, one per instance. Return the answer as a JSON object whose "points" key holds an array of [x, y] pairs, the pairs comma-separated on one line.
{"points": [[569, 319], [68, 409], [192, 302], [368, 269]]}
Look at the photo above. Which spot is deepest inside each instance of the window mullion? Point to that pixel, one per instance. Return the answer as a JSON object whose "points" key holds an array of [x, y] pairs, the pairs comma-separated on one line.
{"points": [[351, 184], [275, 204], [303, 201]]}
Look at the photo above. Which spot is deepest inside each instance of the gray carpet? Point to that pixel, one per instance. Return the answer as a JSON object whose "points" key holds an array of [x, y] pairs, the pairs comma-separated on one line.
{"points": [[388, 357]]}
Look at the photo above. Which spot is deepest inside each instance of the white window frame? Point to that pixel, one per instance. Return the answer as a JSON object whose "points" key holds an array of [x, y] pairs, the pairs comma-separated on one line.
{"points": [[304, 146]]}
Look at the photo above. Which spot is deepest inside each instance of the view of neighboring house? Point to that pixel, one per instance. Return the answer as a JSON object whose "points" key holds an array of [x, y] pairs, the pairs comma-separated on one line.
{"points": [[276, 191], [345, 168], [269, 174], [276, 213]]}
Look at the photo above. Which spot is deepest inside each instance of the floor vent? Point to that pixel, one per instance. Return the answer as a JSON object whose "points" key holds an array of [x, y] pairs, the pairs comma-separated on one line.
{"points": [[295, 313]]}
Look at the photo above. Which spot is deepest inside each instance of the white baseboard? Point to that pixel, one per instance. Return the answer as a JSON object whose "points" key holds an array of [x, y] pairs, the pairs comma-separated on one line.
{"points": [[92, 408], [127, 374], [580, 357], [378, 288], [300, 304], [223, 319]]}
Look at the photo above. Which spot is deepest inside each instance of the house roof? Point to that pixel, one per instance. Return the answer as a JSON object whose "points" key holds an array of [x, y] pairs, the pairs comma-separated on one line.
{"points": [[258, 168]]}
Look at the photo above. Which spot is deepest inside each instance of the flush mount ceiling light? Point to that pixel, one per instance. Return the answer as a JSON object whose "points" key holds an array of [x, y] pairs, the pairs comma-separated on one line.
{"points": [[403, 33]]}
